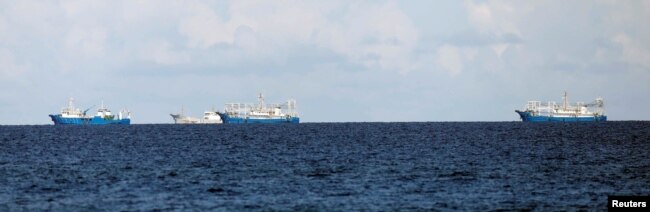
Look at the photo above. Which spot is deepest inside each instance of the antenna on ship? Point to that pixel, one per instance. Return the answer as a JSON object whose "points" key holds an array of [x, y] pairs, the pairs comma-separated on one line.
{"points": [[565, 99], [260, 98], [71, 104], [128, 113]]}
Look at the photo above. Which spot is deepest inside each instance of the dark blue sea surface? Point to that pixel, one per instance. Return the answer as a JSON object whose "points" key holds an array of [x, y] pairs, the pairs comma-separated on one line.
{"points": [[324, 166]]}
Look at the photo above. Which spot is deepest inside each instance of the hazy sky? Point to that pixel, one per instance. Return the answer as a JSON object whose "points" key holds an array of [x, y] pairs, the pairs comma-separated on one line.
{"points": [[341, 60]]}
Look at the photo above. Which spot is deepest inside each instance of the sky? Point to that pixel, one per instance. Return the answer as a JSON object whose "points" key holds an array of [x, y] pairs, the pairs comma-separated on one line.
{"points": [[343, 61]]}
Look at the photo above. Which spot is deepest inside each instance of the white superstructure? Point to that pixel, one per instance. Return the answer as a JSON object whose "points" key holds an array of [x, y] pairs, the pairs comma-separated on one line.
{"points": [[262, 110], [209, 117], [580, 109], [71, 111], [102, 112]]}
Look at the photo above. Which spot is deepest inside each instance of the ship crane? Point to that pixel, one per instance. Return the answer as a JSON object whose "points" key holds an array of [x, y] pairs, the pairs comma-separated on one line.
{"points": [[596, 103], [86, 110]]}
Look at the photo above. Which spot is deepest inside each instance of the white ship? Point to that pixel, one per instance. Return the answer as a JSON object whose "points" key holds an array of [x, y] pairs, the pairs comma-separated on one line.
{"points": [[209, 117], [537, 111], [238, 113]]}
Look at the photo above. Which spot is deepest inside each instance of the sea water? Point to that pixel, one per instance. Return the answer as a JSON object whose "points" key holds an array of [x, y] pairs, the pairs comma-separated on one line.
{"points": [[324, 166]]}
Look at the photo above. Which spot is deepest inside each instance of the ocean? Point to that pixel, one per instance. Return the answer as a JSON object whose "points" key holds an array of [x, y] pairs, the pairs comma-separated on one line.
{"points": [[473, 166]]}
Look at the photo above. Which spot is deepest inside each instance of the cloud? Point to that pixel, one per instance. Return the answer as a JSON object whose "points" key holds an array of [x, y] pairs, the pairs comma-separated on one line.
{"points": [[204, 28], [449, 57], [633, 50], [478, 39], [498, 17], [630, 30], [90, 42], [454, 59], [9, 68], [554, 34], [339, 56], [246, 38], [475, 40], [493, 27], [161, 52], [374, 35]]}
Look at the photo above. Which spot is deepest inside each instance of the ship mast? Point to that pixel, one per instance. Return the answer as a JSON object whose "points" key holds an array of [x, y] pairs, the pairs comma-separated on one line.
{"points": [[71, 104], [260, 98], [566, 100]]}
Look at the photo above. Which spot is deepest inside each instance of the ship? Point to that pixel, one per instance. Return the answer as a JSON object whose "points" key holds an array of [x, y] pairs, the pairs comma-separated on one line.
{"points": [[74, 116], [209, 117], [238, 113], [537, 111]]}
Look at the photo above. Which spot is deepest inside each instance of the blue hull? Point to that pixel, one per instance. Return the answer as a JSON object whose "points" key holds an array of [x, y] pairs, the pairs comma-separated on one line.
{"points": [[247, 120], [527, 117], [58, 120]]}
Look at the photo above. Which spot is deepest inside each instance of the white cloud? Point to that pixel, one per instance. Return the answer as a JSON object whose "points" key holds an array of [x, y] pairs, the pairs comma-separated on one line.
{"points": [[90, 42], [486, 47], [3, 26], [627, 14], [455, 59], [9, 68], [370, 35], [634, 51], [499, 48], [480, 15], [204, 28], [37, 17], [384, 31], [497, 17], [160, 51], [566, 34], [450, 58], [630, 28], [373, 35], [246, 38], [79, 8]]}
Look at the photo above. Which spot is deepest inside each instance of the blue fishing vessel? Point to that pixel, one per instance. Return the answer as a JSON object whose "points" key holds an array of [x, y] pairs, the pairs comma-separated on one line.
{"points": [[237, 113], [537, 111], [74, 116]]}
